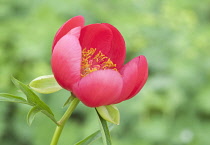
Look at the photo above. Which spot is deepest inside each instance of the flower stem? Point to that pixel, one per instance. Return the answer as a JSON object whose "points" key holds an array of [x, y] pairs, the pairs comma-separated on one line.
{"points": [[63, 120], [104, 131]]}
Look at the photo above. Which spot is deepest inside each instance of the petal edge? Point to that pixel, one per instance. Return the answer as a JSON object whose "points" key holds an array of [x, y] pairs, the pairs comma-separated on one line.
{"points": [[67, 26]]}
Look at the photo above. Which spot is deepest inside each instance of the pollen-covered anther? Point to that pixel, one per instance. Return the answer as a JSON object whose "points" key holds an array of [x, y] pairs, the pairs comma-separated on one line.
{"points": [[108, 64], [92, 62], [100, 57]]}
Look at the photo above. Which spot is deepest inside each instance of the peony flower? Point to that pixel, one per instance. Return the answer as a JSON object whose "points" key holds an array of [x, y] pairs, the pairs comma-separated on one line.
{"points": [[88, 61]]}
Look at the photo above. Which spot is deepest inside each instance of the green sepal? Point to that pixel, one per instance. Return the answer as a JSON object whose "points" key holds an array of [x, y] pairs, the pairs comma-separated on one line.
{"points": [[109, 113], [34, 100], [91, 138], [45, 84], [12, 98]]}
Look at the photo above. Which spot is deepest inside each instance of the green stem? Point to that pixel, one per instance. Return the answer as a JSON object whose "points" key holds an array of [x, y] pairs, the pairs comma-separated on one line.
{"points": [[104, 130], [63, 120]]}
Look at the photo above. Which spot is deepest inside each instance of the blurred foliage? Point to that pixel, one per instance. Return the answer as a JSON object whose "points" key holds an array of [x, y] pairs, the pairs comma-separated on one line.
{"points": [[172, 109]]}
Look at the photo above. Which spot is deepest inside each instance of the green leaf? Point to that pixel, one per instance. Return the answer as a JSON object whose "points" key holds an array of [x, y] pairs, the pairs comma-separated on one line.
{"points": [[34, 100], [109, 113], [45, 84], [31, 114], [96, 135], [90, 138], [50, 115], [104, 130], [11, 98]]}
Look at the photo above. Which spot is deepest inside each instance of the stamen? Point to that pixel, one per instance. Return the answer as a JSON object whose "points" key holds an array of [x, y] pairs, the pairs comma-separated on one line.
{"points": [[92, 62]]}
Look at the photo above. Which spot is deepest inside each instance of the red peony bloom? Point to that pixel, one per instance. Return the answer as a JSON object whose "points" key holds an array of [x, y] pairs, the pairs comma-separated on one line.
{"points": [[88, 61]]}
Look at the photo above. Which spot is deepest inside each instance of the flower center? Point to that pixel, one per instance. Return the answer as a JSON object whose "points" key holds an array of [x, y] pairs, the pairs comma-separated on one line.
{"points": [[92, 62]]}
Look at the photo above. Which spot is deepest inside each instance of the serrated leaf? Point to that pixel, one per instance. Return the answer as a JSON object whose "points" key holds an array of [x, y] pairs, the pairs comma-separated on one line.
{"points": [[33, 99], [109, 113], [31, 114], [12, 98], [91, 138], [45, 84]]}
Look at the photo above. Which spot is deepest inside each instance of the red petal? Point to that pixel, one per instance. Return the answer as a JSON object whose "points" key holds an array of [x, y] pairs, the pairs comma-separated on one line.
{"points": [[117, 52], [142, 76], [129, 74], [95, 89], [66, 61], [96, 36], [67, 26]]}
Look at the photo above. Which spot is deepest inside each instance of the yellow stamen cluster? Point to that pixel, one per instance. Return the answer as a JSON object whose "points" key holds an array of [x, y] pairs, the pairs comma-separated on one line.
{"points": [[92, 62]]}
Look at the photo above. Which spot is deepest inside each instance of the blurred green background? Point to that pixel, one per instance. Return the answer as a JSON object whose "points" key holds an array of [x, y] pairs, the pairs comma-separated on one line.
{"points": [[172, 109]]}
